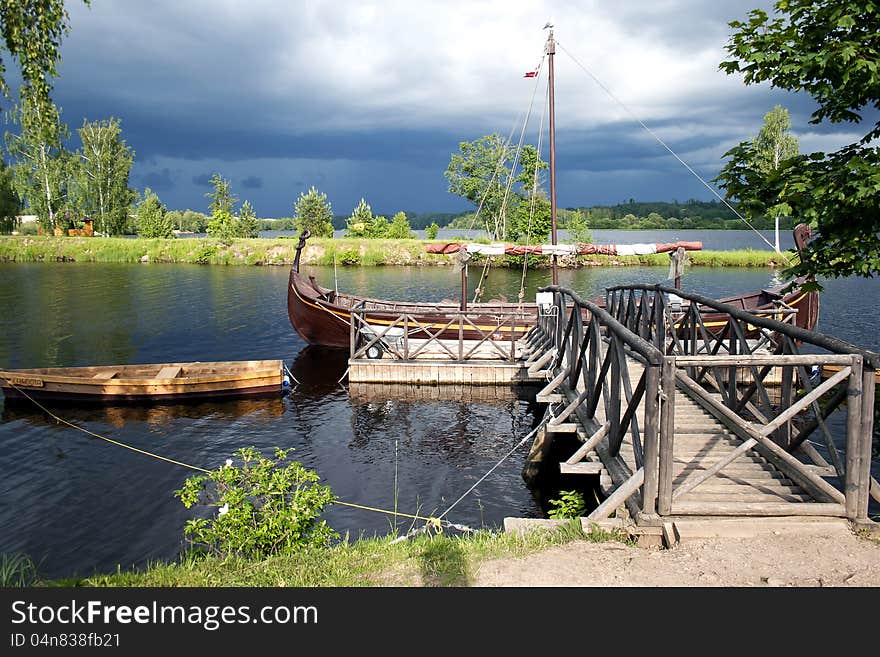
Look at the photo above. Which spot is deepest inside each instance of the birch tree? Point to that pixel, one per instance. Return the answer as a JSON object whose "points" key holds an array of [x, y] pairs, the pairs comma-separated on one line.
{"points": [[103, 175], [41, 173]]}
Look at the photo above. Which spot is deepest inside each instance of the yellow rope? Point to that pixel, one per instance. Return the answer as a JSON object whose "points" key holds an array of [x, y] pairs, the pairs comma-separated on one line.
{"points": [[395, 513], [96, 435], [429, 520]]}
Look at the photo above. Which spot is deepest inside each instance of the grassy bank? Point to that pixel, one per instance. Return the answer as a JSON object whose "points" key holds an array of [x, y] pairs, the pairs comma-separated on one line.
{"points": [[344, 252], [425, 561]]}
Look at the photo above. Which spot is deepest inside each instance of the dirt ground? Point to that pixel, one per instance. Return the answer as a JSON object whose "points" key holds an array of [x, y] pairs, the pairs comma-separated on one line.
{"points": [[828, 558]]}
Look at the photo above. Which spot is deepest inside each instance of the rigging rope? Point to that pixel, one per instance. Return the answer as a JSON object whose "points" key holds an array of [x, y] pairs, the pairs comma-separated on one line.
{"points": [[666, 146], [522, 282], [478, 291]]}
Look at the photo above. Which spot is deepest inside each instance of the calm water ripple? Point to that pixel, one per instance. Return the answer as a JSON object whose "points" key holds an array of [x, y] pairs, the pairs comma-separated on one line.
{"points": [[77, 504]]}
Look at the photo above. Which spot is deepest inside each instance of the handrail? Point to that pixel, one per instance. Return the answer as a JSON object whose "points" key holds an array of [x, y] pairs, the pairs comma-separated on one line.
{"points": [[815, 338], [641, 346]]}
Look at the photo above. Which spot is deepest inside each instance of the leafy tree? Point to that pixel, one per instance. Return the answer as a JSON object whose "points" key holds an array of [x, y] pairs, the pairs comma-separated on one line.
{"points": [[221, 224], [578, 227], [313, 213], [32, 32], [360, 220], [830, 50], [774, 142], [247, 225], [399, 228], [152, 217], [482, 173], [42, 169], [10, 208], [751, 176], [103, 174], [431, 230]]}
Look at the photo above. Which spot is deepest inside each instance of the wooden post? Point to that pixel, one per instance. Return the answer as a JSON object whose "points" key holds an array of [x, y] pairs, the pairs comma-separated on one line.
{"points": [[854, 476], [651, 437], [667, 436], [352, 334], [869, 383]]}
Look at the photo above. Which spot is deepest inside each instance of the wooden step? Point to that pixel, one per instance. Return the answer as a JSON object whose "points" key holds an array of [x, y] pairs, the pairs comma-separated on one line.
{"points": [[740, 497], [582, 467], [705, 508]]}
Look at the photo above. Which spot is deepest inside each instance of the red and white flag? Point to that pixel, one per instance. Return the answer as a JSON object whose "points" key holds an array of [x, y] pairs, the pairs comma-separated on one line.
{"points": [[531, 74]]}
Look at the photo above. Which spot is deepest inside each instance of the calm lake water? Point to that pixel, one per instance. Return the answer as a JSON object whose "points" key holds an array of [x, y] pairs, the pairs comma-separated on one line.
{"points": [[77, 504]]}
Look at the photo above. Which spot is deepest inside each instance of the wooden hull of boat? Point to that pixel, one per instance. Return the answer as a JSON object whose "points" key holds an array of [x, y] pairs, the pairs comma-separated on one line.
{"points": [[323, 318], [145, 383]]}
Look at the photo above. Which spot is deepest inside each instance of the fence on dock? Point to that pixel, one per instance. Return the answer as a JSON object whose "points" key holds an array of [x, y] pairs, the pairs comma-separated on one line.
{"points": [[696, 407]]}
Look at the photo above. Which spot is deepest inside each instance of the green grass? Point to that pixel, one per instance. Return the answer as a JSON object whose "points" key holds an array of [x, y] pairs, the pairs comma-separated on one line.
{"points": [[17, 569], [341, 251], [441, 560]]}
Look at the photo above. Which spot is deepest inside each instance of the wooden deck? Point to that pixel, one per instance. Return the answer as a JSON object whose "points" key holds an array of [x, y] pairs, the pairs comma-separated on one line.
{"points": [[701, 441], [679, 419]]}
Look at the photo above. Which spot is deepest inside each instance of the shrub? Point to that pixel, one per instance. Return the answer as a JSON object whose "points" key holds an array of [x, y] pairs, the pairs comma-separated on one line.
{"points": [[267, 506], [350, 257], [570, 504]]}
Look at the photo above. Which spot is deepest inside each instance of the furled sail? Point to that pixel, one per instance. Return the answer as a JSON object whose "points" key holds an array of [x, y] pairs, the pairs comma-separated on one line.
{"points": [[499, 248]]}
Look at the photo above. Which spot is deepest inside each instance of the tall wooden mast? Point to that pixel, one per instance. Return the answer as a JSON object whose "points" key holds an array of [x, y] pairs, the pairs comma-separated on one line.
{"points": [[551, 50]]}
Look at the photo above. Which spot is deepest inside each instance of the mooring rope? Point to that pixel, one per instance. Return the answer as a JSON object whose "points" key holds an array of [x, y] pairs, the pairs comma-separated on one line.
{"points": [[433, 521], [495, 467]]}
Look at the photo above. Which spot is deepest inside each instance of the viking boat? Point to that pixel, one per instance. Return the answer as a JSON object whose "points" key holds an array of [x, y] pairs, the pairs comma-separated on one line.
{"points": [[171, 382], [323, 316]]}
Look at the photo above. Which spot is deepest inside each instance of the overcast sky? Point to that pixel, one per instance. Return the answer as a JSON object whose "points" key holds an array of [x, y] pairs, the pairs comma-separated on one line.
{"points": [[369, 98]]}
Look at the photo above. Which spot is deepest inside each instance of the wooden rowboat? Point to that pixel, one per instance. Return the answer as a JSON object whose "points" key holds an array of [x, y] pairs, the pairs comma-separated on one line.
{"points": [[830, 370], [147, 382]]}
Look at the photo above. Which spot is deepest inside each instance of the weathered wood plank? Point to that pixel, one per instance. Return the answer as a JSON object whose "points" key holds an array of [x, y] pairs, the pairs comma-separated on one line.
{"points": [[583, 467]]}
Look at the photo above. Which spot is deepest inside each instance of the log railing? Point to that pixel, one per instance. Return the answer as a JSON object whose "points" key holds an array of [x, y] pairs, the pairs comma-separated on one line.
{"points": [[773, 384], [457, 336]]}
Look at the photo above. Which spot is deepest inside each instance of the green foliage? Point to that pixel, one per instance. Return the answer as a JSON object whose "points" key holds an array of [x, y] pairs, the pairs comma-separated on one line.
{"points": [[578, 227], [17, 570], [350, 257], [569, 504], [222, 222], [377, 228], [205, 253], [831, 50], [152, 217], [362, 223], [31, 33], [188, 221], [482, 173], [246, 224], [268, 506], [752, 174], [42, 168], [431, 230], [313, 213], [10, 208], [399, 228], [102, 176]]}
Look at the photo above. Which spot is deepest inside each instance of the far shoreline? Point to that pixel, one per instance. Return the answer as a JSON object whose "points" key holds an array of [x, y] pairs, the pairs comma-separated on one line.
{"points": [[280, 251]]}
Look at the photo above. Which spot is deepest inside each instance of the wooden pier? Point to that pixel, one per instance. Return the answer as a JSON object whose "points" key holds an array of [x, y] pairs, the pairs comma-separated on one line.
{"points": [[680, 420], [676, 417]]}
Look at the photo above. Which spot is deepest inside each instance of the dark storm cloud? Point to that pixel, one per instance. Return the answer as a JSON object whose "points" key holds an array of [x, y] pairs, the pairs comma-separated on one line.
{"points": [[158, 181], [356, 93]]}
